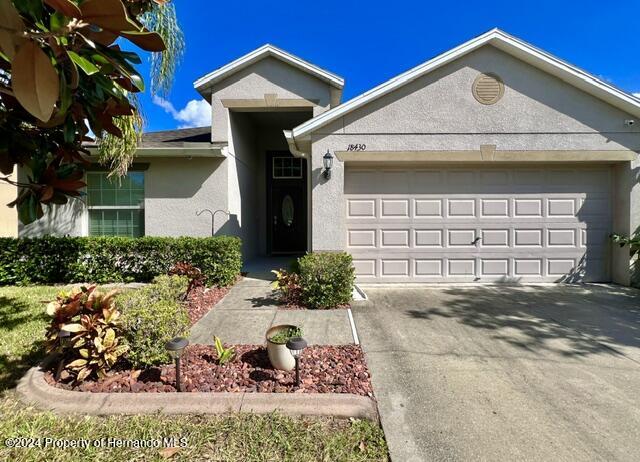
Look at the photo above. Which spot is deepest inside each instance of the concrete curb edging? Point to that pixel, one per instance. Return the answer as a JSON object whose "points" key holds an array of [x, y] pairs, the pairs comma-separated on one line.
{"points": [[34, 389]]}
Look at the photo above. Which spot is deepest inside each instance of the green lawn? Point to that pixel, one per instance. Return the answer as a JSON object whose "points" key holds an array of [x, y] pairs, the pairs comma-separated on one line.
{"points": [[217, 438], [22, 326]]}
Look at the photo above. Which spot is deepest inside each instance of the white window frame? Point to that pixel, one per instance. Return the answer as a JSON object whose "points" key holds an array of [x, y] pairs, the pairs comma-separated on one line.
{"points": [[88, 208], [285, 177]]}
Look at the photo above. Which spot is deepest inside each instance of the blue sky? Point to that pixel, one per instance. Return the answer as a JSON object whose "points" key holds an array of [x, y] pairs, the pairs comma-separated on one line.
{"points": [[370, 42]]}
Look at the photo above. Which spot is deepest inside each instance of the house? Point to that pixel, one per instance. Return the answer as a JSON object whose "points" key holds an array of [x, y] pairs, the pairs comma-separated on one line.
{"points": [[8, 215], [494, 161]]}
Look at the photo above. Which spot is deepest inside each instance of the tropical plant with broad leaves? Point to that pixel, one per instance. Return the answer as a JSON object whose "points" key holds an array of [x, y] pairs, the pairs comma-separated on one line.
{"points": [[225, 355], [85, 331], [63, 77], [632, 241], [287, 286], [182, 268]]}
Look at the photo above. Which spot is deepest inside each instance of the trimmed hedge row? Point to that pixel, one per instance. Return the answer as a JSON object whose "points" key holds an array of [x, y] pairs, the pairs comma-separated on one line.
{"points": [[49, 259]]}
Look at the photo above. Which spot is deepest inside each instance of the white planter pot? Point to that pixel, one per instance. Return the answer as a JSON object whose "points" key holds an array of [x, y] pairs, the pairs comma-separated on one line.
{"points": [[279, 354]]}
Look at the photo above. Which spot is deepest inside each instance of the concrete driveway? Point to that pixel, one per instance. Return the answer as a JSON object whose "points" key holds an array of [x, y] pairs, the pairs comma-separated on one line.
{"points": [[505, 373]]}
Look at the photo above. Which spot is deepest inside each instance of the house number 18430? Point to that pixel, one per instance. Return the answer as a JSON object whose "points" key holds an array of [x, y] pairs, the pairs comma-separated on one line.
{"points": [[357, 147]]}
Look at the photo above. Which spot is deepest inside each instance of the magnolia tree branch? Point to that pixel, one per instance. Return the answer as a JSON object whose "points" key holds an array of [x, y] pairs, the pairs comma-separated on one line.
{"points": [[8, 179]]}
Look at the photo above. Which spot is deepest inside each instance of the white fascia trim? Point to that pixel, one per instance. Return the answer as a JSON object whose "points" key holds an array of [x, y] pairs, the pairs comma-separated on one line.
{"points": [[502, 41], [263, 52], [179, 152], [214, 151]]}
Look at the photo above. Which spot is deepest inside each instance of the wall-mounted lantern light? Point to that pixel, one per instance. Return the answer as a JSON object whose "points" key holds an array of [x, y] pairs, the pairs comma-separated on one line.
{"points": [[175, 347], [327, 162]]}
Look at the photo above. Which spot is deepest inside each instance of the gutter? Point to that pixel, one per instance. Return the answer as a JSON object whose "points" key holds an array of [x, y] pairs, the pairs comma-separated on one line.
{"points": [[293, 147]]}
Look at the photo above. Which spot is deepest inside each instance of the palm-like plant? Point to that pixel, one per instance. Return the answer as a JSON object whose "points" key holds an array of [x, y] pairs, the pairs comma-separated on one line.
{"points": [[158, 16]]}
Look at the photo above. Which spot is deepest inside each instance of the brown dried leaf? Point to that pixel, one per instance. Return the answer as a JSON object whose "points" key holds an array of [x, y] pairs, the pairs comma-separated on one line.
{"points": [[12, 28], [108, 14], [148, 41], [103, 37], [167, 453], [65, 7], [47, 193], [35, 81]]}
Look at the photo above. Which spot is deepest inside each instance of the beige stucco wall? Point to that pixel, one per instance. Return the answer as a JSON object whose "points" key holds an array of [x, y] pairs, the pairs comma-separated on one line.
{"points": [[537, 112], [59, 220], [268, 76], [439, 112], [243, 169], [8, 216], [175, 188]]}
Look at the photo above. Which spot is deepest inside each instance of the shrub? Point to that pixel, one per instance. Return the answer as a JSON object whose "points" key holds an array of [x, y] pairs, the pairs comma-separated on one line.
{"points": [[38, 261], [93, 344], [326, 279], [151, 316], [50, 260], [287, 287], [196, 279], [167, 287]]}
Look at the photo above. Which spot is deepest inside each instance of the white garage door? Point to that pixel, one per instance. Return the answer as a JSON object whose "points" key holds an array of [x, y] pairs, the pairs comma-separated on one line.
{"points": [[482, 224]]}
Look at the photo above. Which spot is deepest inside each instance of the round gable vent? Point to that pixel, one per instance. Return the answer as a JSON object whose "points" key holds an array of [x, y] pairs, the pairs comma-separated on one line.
{"points": [[488, 88]]}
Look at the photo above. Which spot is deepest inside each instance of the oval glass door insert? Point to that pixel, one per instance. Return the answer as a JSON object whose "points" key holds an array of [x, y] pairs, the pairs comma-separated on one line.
{"points": [[287, 210]]}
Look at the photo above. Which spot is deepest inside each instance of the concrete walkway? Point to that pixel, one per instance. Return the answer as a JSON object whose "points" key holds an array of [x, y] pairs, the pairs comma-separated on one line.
{"points": [[505, 373], [249, 309]]}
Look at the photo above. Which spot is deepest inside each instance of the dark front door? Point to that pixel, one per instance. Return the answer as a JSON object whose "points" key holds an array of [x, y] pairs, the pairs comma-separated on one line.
{"points": [[287, 204]]}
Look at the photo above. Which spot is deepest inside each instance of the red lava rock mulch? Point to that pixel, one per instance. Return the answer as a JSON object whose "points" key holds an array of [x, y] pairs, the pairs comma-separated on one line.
{"points": [[201, 300], [323, 369]]}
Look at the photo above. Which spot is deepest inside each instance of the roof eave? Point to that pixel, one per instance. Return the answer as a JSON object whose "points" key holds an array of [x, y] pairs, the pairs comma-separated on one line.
{"points": [[204, 83], [210, 151], [501, 40]]}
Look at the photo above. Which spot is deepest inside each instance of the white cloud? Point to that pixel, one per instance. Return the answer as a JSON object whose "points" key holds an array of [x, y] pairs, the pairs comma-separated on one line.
{"points": [[197, 113], [637, 95]]}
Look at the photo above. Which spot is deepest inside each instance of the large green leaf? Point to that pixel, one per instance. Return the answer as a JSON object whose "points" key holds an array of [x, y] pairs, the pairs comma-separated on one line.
{"points": [[83, 63], [33, 8], [30, 209]]}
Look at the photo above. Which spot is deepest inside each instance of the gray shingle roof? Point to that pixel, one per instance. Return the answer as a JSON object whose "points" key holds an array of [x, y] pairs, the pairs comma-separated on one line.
{"points": [[176, 138]]}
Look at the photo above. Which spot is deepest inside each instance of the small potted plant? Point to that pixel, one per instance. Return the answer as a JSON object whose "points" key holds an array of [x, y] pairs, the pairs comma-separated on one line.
{"points": [[279, 354]]}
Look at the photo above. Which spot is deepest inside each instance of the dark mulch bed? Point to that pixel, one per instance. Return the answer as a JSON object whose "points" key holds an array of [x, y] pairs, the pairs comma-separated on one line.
{"points": [[324, 369], [201, 300]]}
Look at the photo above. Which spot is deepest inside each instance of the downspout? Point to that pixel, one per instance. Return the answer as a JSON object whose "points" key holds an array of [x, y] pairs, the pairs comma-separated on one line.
{"points": [[293, 147]]}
